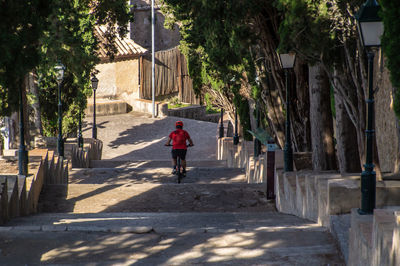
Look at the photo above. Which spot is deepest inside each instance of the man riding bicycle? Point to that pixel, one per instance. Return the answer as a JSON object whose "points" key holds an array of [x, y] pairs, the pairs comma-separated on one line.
{"points": [[179, 146]]}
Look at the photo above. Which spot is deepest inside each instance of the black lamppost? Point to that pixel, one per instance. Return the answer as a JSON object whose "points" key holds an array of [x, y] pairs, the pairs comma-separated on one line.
{"points": [[60, 76], [221, 125], [257, 142], [22, 152], [95, 82], [236, 135], [370, 28], [80, 138], [287, 63]]}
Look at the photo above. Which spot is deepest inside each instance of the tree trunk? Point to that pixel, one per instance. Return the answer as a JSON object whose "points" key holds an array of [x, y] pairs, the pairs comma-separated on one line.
{"points": [[27, 135], [252, 108], [347, 148], [323, 155], [35, 105]]}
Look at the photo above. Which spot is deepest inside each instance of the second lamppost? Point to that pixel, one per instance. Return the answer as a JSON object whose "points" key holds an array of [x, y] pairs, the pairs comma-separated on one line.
{"points": [[60, 76], [370, 28], [287, 62], [221, 124], [80, 137], [95, 82], [236, 135]]}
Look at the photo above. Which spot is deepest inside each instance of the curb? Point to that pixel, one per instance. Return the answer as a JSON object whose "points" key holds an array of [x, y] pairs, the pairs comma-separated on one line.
{"points": [[75, 228]]}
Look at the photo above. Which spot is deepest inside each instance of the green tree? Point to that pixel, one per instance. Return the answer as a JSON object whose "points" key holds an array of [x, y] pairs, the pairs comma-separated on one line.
{"points": [[216, 41], [391, 45], [36, 34]]}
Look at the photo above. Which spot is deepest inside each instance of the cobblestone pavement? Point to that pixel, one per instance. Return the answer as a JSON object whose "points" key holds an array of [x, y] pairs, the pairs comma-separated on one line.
{"points": [[136, 136]]}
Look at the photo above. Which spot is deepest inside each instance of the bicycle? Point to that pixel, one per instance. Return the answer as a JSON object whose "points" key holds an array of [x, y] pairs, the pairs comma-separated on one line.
{"points": [[178, 166]]}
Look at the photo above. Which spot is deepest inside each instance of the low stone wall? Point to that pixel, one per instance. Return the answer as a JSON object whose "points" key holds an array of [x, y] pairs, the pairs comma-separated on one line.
{"points": [[374, 239], [242, 156], [81, 157], [329, 199], [146, 106], [196, 112], [20, 194], [108, 107]]}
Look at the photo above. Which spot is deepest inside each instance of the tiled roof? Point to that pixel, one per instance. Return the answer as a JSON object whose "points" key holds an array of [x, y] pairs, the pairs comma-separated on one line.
{"points": [[126, 47]]}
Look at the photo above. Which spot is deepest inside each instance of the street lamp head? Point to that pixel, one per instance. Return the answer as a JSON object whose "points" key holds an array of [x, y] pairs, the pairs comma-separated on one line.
{"points": [[59, 68], [287, 60], [369, 24], [95, 82]]}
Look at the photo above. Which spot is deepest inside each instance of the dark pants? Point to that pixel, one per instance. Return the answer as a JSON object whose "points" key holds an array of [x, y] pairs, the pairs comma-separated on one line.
{"points": [[179, 152]]}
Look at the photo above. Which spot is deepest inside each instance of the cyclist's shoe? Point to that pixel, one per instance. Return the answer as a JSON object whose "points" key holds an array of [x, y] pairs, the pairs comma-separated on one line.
{"points": [[183, 172], [174, 171]]}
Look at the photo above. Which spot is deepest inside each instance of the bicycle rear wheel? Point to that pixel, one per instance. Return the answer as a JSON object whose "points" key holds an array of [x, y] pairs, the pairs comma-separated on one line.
{"points": [[178, 171]]}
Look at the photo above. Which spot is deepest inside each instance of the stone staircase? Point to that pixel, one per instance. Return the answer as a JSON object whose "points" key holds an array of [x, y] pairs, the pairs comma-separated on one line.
{"points": [[149, 186], [134, 212]]}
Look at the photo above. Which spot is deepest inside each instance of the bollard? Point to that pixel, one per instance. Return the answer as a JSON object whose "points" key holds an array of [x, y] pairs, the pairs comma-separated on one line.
{"points": [[270, 170]]}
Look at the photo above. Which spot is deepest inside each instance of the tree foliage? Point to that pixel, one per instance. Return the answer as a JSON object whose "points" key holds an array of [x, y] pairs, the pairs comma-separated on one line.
{"points": [[391, 45], [22, 23], [36, 34], [215, 40]]}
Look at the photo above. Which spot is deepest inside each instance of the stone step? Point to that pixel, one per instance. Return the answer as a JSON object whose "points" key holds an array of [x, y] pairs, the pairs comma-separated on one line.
{"points": [[153, 163], [184, 197], [166, 222], [201, 175], [106, 107], [223, 238]]}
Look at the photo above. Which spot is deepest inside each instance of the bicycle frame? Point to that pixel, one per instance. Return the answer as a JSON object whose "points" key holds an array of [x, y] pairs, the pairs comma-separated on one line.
{"points": [[178, 166], [178, 171]]}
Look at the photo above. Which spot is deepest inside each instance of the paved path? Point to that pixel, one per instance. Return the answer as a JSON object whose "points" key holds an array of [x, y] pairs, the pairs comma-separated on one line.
{"points": [[129, 210], [136, 136]]}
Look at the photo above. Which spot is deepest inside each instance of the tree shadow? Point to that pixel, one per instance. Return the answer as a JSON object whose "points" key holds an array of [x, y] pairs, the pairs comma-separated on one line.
{"points": [[86, 126], [146, 140]]}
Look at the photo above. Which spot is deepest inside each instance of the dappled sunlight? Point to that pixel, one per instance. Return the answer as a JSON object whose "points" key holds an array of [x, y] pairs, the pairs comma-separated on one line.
{"points": [[142, 145], [222, 248], [103, 200], [272, 243], [290, 227], [115, 246], [91, 220]]}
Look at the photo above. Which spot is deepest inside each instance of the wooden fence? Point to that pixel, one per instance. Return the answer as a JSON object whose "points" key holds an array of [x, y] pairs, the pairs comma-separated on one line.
{"points": [[171, 76]]}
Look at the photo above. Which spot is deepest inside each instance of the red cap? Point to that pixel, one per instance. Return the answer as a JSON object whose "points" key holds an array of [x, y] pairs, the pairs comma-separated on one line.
{"points": [[179, 123]]}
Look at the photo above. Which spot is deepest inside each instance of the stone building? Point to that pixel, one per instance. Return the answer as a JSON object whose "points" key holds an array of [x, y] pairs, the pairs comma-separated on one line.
{"points": [[120, 78]]}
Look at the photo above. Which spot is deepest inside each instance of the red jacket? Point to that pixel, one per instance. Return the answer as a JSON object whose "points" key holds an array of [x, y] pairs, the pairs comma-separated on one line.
{"points": [[179, 137]]}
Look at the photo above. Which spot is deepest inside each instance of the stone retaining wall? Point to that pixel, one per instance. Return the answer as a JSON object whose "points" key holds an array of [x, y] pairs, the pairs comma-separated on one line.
{"points": [[81, 157], [19, 195], [109, 107], [374, 239], [330, 199], [146, 106]]}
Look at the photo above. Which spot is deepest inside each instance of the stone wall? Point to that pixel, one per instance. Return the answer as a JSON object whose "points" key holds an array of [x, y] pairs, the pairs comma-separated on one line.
{"points": [[19, 195], [374, 239], [197, 112], [329, 199], [140, 29], [385, 119], [118, 79], [107, 80]]}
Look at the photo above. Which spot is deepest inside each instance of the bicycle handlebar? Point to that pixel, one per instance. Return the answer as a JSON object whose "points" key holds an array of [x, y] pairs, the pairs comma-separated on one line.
{"points": [[186, 145]]}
